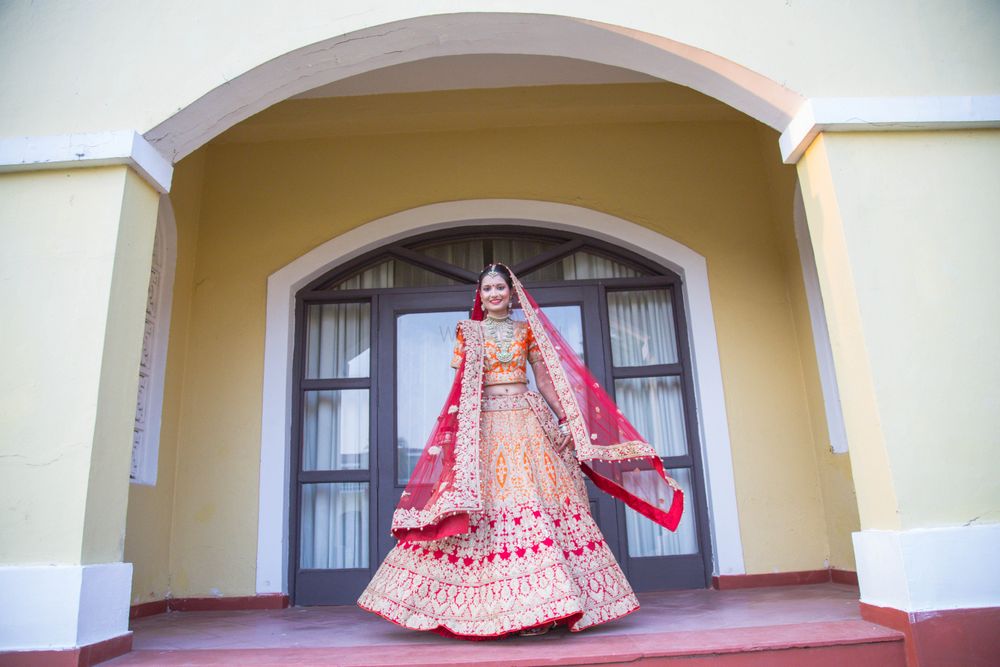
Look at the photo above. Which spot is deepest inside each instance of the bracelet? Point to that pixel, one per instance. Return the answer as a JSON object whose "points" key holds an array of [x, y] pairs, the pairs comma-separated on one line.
{"points": [[563, 428]]}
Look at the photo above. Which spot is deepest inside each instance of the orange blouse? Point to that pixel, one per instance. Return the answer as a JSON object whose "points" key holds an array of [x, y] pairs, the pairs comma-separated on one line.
{"points": [[524, 347]]}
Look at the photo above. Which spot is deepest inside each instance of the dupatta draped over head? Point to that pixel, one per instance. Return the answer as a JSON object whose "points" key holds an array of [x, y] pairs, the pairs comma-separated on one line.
{"points": [[444, 489]]}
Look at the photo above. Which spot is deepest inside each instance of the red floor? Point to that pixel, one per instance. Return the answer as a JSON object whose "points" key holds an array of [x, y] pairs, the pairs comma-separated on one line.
{"points": [[787, 625]]}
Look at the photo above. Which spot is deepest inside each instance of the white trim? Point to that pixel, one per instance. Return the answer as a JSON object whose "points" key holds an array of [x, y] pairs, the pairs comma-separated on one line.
{"points": [[95, 149], [884, 114], [319, 64], [63, 606], [282, 285], [835, 426], [929, 569], [166, 229]]}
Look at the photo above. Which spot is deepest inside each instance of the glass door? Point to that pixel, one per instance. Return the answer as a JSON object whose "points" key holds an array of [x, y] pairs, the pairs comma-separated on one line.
{"points": [[419, 334], [331, 559], [649, 381]]}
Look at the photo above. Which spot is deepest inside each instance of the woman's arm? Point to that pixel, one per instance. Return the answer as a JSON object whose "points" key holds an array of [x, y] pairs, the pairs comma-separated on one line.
{"points": [[546, 388]]}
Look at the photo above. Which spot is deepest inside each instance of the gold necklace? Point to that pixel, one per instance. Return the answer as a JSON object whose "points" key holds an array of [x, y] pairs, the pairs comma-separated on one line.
{"points": [[501, 331]]}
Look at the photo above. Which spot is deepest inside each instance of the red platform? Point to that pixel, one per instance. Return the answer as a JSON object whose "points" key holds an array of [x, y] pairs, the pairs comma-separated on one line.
{"points": [[811, 625]]}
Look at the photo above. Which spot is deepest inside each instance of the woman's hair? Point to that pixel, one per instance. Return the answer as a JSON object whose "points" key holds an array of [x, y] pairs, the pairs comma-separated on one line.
{"points": [[498, 268]]}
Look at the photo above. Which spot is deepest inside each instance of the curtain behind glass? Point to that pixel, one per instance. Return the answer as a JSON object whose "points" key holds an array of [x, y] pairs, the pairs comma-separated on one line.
{"points": [[338, 340], [646, 538], [334, 526], [642, 328]]}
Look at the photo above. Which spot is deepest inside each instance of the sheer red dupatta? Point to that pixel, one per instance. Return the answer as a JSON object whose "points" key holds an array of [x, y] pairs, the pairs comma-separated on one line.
{"points": [[444, 489], [609, 449]]}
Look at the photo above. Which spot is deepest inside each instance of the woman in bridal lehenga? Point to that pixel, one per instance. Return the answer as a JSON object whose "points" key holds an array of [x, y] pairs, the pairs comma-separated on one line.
{"points": [[494, 530]]}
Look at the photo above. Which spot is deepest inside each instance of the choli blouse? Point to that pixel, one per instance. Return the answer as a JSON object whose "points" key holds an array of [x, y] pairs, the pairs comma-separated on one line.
{"points": [[524, 347]]}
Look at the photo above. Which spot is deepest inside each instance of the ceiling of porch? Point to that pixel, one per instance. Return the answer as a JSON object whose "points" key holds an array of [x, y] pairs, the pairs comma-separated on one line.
{"points": [[479, 92]]}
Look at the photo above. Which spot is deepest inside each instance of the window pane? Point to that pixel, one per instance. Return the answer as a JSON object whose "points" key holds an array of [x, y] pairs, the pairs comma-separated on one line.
{"points": [[335, 430], [655, 406], [642, 328], [472, 254], [392, 273], [646, 538], [466, 254], [424, 345], [583, 266], [334, 526], [513, 251], [338, 340]]}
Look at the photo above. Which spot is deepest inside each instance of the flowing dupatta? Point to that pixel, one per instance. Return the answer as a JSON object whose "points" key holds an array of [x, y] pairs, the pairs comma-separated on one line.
{"points": [[444, 490]]}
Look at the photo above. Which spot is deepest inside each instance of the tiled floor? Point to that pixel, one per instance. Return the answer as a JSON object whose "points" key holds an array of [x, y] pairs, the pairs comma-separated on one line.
{"points": [[779, 616]]}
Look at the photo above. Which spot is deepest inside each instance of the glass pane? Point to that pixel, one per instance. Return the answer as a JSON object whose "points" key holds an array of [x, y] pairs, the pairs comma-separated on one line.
{"points": [[646, 538], [655, 406], [513, 251], [392, 273], [334, 526], [466, 254], [642, 328], [583, 266], [472, 254], [338, 340], [424, 345], [569, 321], [335, 430]]}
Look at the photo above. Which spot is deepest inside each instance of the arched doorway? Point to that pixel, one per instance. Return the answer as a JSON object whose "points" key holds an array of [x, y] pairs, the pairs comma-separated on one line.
{"points": [[372, 342]]}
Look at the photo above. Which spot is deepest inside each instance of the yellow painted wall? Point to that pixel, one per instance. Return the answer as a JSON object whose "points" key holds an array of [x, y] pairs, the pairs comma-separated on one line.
{"points": [[840, 504], [833, 49], [75, 250], [150, 508], [264, 204], [914, 228]]}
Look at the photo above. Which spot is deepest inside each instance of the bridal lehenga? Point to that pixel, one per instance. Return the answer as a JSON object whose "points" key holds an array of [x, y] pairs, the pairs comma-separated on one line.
{"points": [[495, 531]]}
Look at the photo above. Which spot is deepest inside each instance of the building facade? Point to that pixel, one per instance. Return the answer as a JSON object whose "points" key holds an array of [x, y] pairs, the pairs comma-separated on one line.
{"points": [[236, 239]]}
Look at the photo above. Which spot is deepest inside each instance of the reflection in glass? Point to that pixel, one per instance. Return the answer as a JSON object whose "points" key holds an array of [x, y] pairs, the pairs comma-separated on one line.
{"points": [[334, 526], [655, 406], [642, 328], [646, 538], [569, 321], [424, 345], [335, 430], [338, 340], [582, 265], [392, 273]]}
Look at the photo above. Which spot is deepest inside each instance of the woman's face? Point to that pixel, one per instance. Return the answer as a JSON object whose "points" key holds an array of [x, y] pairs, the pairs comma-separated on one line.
{"points": [[495, 295]]}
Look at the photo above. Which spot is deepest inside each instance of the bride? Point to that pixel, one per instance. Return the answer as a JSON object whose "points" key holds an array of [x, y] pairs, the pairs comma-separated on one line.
{"points": [[494, 528]]}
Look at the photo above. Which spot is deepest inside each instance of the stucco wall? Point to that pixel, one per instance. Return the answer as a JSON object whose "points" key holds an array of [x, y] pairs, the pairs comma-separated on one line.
{"points": [[262, 205], [64, 52]]}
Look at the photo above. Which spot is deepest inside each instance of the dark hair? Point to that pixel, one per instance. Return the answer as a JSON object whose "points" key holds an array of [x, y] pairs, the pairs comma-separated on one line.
{"points": [[502, 270]]}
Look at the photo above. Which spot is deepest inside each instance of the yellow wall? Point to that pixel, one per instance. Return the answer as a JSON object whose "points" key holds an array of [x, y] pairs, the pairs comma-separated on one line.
{"points": [[75, 250], [840, 505], [150, 508], [265, 204], [910, 221], [833, 49]]}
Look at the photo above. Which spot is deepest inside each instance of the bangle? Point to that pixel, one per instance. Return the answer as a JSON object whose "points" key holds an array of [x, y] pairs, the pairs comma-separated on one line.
{"points": [[563, 420], [563, 429]]}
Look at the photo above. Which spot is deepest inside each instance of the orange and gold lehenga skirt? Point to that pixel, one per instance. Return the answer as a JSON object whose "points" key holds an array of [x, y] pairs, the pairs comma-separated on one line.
{"points": [[533, 556]]}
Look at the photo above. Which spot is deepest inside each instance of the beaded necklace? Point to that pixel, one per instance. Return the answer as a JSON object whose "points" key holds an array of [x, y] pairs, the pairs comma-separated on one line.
{"points": [[501, 331]]}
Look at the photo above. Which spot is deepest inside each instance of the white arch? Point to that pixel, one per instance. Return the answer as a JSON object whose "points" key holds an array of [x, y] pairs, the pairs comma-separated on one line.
{"points": [[282, 285], [372, 48]]}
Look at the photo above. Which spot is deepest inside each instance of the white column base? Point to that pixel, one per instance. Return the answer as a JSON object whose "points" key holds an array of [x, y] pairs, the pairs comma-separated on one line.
{"points": [[929, 569], [63, 606]]}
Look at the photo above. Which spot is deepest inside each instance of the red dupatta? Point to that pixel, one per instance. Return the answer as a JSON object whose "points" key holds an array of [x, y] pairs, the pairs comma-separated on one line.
{"points": [[444, 490]]}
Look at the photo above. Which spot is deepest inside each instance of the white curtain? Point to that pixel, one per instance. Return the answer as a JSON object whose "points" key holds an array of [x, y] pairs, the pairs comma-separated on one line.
{"points": [[334, 526], [646, 538], [338, 340], [642, 328]]}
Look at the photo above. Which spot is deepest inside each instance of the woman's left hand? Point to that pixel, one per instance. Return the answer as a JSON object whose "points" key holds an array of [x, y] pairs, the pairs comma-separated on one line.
{"points": [[561, 442]]}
